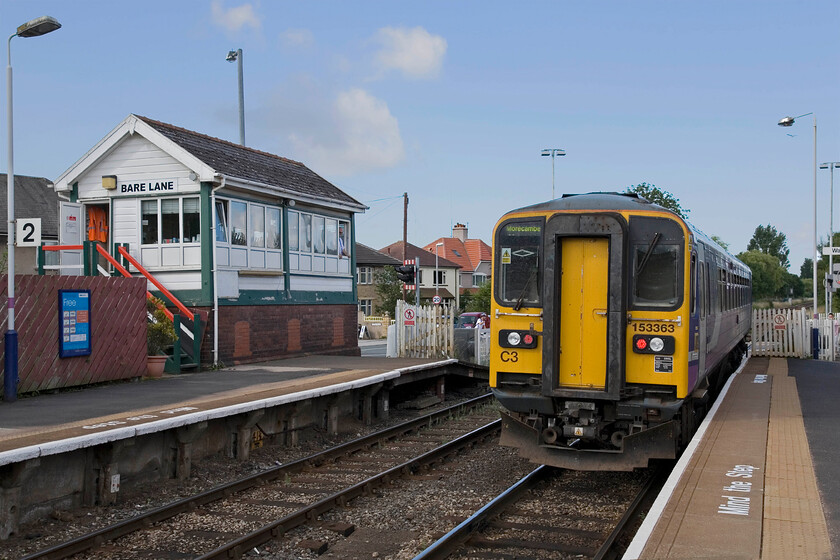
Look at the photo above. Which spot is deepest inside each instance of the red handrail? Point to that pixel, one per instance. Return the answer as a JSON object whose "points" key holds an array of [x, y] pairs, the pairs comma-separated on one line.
{"points": [[62, 247], [121, 269], [187, 313]]}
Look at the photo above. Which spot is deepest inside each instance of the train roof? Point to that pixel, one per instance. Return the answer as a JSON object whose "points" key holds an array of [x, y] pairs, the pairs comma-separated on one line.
{"points": [[615, 201], [595, 201]]}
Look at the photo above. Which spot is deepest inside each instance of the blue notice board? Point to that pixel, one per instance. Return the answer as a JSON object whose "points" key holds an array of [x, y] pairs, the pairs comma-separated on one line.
{"points": [[74, 332]]}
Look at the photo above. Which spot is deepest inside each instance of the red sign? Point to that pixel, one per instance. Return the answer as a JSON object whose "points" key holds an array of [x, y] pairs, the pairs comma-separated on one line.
{"points": [[408, 316]]}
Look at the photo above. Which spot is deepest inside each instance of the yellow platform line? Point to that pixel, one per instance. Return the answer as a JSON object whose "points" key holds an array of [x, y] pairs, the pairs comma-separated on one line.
{"points": [[794, 524]]}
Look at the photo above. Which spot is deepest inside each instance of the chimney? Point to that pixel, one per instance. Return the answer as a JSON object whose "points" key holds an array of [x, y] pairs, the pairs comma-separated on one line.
{"points": [[459, 231]]}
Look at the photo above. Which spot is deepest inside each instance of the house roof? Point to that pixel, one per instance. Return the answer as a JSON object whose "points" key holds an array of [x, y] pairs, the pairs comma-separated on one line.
{"points": [[213, 159], [34, 198], [365, 256], [414, 252], [468, 254]]}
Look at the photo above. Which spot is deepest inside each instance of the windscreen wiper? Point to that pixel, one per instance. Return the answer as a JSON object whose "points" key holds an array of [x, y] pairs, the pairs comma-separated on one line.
{"points": [[525, 289], [657, 236]]}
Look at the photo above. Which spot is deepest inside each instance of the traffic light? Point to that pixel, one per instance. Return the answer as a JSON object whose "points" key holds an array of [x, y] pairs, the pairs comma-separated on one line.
{"points": [[405, 273]]}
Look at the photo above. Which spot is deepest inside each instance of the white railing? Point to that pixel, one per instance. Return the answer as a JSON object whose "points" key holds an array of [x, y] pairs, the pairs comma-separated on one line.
{"points": [[424, 331]]}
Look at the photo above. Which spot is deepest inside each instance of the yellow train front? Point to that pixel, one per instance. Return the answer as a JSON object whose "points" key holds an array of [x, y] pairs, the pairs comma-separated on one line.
{"points": [[614, 324]]}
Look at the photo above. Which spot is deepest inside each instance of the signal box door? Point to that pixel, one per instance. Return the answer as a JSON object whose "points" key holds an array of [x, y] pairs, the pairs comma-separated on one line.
{"points": [[584, 286]]}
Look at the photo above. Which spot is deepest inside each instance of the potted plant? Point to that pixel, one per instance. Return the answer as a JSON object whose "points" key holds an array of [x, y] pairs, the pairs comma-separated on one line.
{"points": [[160, 333]]}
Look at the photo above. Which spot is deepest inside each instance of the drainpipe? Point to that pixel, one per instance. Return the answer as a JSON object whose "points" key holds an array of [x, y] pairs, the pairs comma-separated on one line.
{"points": [[215, 277]]}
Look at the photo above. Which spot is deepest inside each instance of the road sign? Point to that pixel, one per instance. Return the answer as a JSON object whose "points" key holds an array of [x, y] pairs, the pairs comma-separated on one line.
{"points": [[436, 300], [831, 250], [408, 317]]}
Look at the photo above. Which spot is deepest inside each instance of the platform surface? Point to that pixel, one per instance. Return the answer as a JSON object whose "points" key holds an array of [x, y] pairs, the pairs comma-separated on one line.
{"points": [[68, 415], [748, 486]]}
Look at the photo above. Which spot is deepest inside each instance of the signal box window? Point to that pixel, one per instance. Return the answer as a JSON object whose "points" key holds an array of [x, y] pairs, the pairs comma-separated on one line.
{"points": [[518, 248]]}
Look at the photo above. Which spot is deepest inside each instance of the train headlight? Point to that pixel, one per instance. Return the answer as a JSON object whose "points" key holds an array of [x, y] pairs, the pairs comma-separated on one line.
{"points": [[509, 338], [654, 344]]}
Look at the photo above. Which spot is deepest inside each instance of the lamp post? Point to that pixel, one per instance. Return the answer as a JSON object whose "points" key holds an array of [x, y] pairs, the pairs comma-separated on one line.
{"points": [[788, 121], [33, 28], [236, 56], [830, 166], [436, 266], [552, 152]]}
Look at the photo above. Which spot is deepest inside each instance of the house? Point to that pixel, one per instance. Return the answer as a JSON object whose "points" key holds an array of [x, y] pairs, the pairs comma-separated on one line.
{"points": [[259, 244], [368, 262], [474, 256], [34, 198], [438, 277]]}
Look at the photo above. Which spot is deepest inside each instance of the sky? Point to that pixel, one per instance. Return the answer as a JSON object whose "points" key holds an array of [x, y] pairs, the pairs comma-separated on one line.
{"points": [[452, 102]]}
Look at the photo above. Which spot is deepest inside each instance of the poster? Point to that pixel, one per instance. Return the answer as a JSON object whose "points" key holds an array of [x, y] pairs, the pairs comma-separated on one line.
{"points": [[74, 332]]}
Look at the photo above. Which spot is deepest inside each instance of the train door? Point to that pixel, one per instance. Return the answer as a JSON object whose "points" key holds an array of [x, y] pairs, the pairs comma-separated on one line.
{"points": [[584, 287]]}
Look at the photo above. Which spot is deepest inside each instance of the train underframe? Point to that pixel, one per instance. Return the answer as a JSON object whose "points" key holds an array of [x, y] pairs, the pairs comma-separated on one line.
{"points": [[648, 422]]}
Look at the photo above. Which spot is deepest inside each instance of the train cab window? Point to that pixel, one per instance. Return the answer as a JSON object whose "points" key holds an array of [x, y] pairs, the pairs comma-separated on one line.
{"points": [[656, 263], [518, 251], [656, 275]]}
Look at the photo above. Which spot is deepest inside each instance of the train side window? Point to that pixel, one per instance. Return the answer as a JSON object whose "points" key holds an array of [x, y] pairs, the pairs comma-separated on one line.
{"points": [[701, 286], [693, 294]]}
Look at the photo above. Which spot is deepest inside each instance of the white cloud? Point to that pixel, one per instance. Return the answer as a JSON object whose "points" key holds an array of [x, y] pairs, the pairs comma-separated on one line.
{"points": [[414, 52], [235, 19], [297, 38], [357, 133]]}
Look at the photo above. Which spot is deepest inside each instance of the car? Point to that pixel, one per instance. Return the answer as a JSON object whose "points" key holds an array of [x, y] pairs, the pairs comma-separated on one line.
{"points": [[468, 320]]}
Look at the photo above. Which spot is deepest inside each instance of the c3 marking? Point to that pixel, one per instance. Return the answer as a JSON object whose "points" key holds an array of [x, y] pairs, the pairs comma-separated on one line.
{"points": [[509, 356]]}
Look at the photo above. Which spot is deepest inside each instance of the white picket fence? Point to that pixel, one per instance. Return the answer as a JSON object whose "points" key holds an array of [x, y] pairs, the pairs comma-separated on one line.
{"points": [[781, 333], [424, 331]]}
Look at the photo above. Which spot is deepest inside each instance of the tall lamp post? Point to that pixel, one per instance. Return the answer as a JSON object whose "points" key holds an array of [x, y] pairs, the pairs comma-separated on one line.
{"points": [[788, 121], [553, 152], [236, 56], [33, 28], [436, 266], [831, 165]]}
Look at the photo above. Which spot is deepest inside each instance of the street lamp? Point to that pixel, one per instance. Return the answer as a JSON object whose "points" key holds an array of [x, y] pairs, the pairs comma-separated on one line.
{"points": [[436, 266], [552, 152], [788, 121], [830, 166], [236, 56], [38, 26]]}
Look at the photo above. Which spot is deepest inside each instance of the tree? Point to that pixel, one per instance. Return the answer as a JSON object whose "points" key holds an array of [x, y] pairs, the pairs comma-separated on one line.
{"points": [[768, 240], [720, 242], [480, 300], [768, 276], [661, 197], [807, 268], [389, 289], [792, 286]]}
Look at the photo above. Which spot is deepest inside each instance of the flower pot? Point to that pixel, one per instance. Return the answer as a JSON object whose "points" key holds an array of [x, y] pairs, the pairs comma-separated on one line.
{"points": [[155, 365]]}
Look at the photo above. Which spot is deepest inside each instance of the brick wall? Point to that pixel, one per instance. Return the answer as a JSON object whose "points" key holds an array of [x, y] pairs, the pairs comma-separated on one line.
{"points": [[265, 332]]}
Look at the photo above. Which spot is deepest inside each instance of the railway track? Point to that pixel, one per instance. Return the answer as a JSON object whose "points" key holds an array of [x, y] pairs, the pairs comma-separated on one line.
{"points": [[551, 513], [231, 520]]}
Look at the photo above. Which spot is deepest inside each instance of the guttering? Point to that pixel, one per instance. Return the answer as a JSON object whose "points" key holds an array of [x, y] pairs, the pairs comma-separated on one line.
{"points": [[278, 191]]}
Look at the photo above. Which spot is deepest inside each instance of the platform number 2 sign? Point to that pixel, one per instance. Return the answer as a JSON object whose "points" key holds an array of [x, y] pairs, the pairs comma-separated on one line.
{"points": [[28, 232]]}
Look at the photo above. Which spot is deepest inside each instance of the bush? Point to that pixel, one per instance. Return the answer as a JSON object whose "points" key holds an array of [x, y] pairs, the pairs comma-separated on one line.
{"points": [[160, 333]]}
